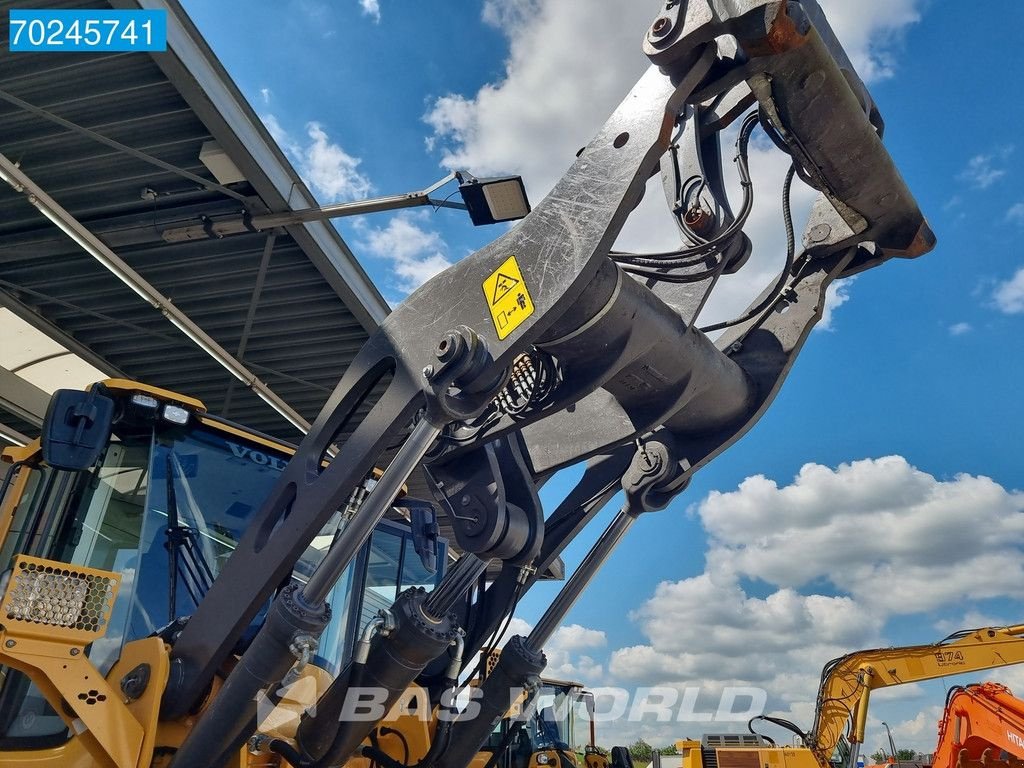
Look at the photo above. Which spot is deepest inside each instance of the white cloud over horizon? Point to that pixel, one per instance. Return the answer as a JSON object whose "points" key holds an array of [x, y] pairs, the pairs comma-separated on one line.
{"points": [[801, 573]]}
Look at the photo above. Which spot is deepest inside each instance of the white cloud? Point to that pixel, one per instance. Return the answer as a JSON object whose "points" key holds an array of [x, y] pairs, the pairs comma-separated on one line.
{"points": [[984, 170], [960, 329], [331, 169], [371, 8], [416, 252], [837, 294], [871, 32], [265, 94], [1015, 213], [575, 637], [330, 172], [799, 574], [919, 732], [1009, 295], [551, 101], [795, 535]]}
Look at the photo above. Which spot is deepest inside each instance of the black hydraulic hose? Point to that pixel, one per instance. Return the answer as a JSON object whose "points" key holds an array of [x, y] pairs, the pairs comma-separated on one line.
{"points": [[685, 256], [443, 731], [668, 277], [780, 284], [288, 752], [377, 755], [9, 477]]}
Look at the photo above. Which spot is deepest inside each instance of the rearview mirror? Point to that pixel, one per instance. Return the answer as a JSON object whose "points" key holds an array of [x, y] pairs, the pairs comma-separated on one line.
{"points": [[423, 520], [76, 429]]}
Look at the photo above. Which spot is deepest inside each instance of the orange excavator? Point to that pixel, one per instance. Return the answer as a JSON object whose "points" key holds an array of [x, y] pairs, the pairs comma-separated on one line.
{"points": [[982, 727]]}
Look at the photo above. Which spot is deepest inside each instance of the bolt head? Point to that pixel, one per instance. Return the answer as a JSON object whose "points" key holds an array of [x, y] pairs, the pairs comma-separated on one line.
{"points": [[449, 347], [10, 644], [75, 651], [820, 232], [661, 26], [428, 372]]}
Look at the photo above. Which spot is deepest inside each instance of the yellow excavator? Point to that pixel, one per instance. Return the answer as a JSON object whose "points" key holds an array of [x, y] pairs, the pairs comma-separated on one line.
{"points": [[840, 717], [179, 591]]}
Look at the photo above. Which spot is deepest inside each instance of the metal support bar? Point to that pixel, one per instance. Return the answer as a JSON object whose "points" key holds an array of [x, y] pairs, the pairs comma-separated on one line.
{"points": [[16, 178], [40, 112], [13, 436], [234, 226], [573, 588], [257, 291], [250, 316], [371, 511], [22, 398]]}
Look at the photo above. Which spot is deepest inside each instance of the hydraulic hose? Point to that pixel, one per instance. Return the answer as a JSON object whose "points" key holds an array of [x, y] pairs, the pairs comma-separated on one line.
{"points": [[518, 669]]}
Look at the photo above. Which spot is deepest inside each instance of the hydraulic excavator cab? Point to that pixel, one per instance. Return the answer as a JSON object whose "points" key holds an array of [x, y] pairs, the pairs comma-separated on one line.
{"points": [[161, 509]]}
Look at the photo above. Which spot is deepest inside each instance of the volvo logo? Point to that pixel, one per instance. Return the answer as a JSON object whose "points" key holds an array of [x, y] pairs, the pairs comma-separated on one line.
{"points": [[256, 457]]}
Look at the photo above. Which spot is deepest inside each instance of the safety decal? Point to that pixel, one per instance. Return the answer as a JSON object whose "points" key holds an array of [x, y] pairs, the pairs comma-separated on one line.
{"points": [[508, 298]]}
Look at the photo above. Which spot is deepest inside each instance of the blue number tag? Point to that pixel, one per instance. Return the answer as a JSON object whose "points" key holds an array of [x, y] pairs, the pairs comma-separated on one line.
{"points": [[87, 31]]}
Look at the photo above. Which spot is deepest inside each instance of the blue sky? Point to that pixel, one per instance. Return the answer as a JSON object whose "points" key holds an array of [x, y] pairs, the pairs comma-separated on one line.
{"points": [[908, 522]]}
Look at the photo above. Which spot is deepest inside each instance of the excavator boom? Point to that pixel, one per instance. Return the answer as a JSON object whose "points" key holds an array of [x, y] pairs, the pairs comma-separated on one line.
{"points": [[844, 694], [847, 682]]}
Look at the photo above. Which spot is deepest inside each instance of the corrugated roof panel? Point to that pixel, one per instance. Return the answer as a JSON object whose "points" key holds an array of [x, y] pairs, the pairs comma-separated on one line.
{"points": [[300, 335]]}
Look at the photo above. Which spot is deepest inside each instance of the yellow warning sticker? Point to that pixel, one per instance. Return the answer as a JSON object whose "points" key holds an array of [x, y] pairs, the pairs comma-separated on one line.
{"points": [[507, 297]]}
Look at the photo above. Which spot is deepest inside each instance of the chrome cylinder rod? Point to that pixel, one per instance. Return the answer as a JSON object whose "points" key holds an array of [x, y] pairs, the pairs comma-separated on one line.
{"points": [[455, 584], [574, 587], [370, 513]]}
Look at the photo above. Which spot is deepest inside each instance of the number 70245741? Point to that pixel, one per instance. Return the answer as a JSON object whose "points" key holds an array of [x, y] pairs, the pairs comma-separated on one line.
{"points": [[87, 30]]}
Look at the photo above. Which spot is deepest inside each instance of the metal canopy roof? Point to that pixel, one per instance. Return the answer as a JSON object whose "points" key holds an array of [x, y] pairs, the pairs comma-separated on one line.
{"points": [[293, 305]]}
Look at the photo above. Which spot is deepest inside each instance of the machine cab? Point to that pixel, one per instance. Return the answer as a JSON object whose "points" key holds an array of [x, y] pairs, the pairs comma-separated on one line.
{"points": [[164, 505], [547, 733]]}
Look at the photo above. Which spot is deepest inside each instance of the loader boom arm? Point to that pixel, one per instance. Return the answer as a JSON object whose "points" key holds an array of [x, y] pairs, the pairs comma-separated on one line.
{"points": [[547, 348]]}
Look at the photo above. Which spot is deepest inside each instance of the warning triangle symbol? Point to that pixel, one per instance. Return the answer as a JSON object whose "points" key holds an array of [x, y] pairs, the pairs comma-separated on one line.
{"points": [[502, 286]]}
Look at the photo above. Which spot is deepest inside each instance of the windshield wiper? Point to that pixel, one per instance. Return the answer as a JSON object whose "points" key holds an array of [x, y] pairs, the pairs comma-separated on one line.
{"points": [[182, 546]]}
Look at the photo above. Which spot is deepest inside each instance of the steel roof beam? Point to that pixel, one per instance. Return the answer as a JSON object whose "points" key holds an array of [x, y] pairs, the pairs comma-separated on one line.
{"points": [[20, 182], [83, 131], [22, 398], [201, 80]]}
